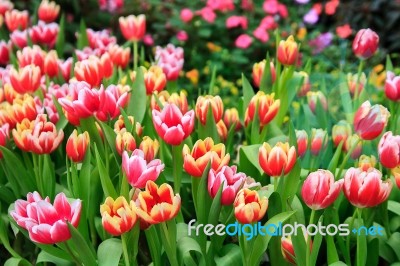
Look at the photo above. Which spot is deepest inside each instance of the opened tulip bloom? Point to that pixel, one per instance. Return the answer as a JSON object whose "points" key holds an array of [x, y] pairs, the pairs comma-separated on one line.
{"points": [[46, 222], [365, 43], [77, 146], [389, 150], [249, 206], [170, 59], [118, 216], [111, 100], [133, 27], [277, 160], [288, 51], [171, 125], [392, 86], [157, 204], [366, 189], [138, 171], [320, 190], [16, 20], [369, 121], [26, 79], [203, 152]]}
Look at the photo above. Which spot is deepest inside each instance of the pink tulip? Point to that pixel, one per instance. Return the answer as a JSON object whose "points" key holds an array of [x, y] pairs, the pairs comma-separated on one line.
{"points": [[320, 189], [171, 125], [44, 33], [365, 43], [138, 171], [243, 41], [100, 39], [170, 59], [19, 38], [369, 121], [389, 150], [302, 142], [366, 188], [46, 222], [65, 68], [5, 48], [186, 15], [231, 181], [110, 101], [392, 86]]}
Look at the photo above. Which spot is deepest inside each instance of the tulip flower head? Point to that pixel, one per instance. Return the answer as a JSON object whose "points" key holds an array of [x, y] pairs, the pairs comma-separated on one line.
{"points": [[125, 142], [119, 55], [267, 108], [314, 97], [26, 79], [231, 118], [4, 135], [48, 11], [350, 142], [340, 132], [77, 146], [149, 147], [46, 222], [287, 249], [389, 150], [16, 20], [288, 51], [365, 43], [111, 100], [365, 162], [277, 160], [179, 100], [306, 86], [154, 79], [249, 206], [392, 86], [355, 83], [319, 140], [45, 34], [170, 59], [258, 72], [396, 174], [369, 121], [133, 27], [205, 102], [302, 142]]}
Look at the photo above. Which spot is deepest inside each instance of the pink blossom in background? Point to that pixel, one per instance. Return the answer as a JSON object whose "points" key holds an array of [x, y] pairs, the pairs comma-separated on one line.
{"points": [[243, 41], [247, 5], [344, 31], [283, 12], [207, 14], [261, 34], [268, 23], [221, 5], [182, 36], [311, 17], [236, 21], [302, 2], [148, 40], [186, 15], [271, 7], [111, 5]]}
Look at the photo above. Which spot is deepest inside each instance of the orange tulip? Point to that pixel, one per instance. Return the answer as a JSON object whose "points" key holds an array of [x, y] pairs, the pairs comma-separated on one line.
{"points": [[249, 207], [154, 79], [77, 146], [202, 104], [277, 160], [258, 72], [231, 117], [288, 51], [267, 108], [133, 27], [25, 80], [120, 125], [149, 147], [119, 55], [24, 108], [125, 142], [222, 130], [164, 97]]}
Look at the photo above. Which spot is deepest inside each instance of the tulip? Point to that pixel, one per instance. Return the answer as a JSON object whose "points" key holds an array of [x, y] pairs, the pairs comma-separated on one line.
{"points": [[258, 72], [171, 125], [4, 135], [77, 146], [319, 140], [111, 101], [202, 105], [119, 55], [157, 204], [101, 39], [365, 162], [204, 151], [26, 79], [396, 174], [65, 68], [38, 136], [170, 59], [353, 140], [287, 248], [389, 150], [288, 51], [31, 56], [179, 100], [120, 125], [7, 115], [46, 222], [267, 108], [51, 64], [48, 11], [154, 79], [231, 118], [222, 130], [369, 121], [45, 34], [340, 132], [302, 142], [117, 217], [25, 107], [365, 189], [5, 5], [16, 20], [5, 48], [365, 43], [306, 86], [138, 171], [231, 181], [314, 97], [320, 190], [356, 83], [392, 86], [249, 207], [19, 38], [277, 160], [133, 27], [89, 70], [149, 147], [125, 142], [106, 65]]}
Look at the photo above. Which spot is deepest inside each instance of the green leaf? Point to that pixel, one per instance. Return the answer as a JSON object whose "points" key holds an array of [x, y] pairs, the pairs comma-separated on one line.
{"points": [[394, 207], [86, 253], [394, 243], [49, 175], [46, 257], [109, 252], [248, 92], [110, 136], [335, 159], [230, 255], [215, 207], [16, 262], [138, 98], [333, 256], [84, 181], [248, 155], [389, 65], [61, 37], [212, 82], [372, 254], [186, 247], [291, 182], [316, 245], [210, 128], [83, 40], [345, 99], [62, 121], [300, 248], [266, 78], [108, 187], [338, 263]]}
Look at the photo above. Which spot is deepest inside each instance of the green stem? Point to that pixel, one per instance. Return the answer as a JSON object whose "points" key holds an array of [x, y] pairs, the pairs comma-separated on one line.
{"points": [[39, 185], [154, 246], [135, 55], [195, 187], [360, 68], [308, 247], [275, 180], [168, 236], [125, 249], [358, 254], [70, 252], [347, 157], [349, 236], [177, 166]]}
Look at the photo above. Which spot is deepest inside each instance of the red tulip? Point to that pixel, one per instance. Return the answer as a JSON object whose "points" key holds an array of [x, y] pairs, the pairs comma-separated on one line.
{"points": [[320, 190], [48, 11], [171, 125], [369, 121], [231, 181], [120, 125], [389, 150], [314, 97], [45, 34], [65, 68], [77, 146], [19, 38], [101, 39], [396, 174], [392, 86], [258, 72], [231, 118], [16, 20], [51, 64], [356, 83], [89, 70], [154, 79], [302, 142], [46, 222], [4, 135], [366, 188], [119, 55], [111, 100], [31, 55], [249, 206], [365, 43], [5, 48], [306, 86], [268, 108], [133, 27], [340, 132], [277, 160], [287, 249], [202, 105], [288, 51], [26, 80], [25, 107], [319, 140], [5, 5]]}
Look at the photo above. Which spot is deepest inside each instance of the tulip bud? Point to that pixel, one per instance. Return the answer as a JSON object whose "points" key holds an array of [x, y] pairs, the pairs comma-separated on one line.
{"points": [[302, 142], [369, 121], [319, 140], [340, 132], [287, 248], [277, 160], [258, 72], [352, 83], [77, 146], [120, 125], [125, 142], [267, 108], [4, 135], [389, 150], [133, 27], [51, 64], [288, 51], [202, 105], [249, 207], [314, 97], [392, 86], [231, 117], [396, 174], [222, 130], [365, 162], [149, 147], [365, 43], [306, 86], [179, 100]]}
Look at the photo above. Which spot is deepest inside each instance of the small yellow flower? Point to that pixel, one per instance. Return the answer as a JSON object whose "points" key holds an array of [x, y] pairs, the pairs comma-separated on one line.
{"points": [[193, 76], [213, 47]]}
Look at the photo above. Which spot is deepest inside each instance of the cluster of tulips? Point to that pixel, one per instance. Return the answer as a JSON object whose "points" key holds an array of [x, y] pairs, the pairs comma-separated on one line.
{"points": [[139, 163]]}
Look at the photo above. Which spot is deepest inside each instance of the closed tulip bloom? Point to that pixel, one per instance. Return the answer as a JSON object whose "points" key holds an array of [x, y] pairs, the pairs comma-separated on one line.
{"points": [[287, 249], [356, 83], [138, 171], [154, 79], [120, 125], [171, 125], [5, 48], [117, 217], [288, 51], [369, 121], [46, 222], [111, 100], [389, 150], [277, 160], [313, 97], [231, 181], [319, 140], [149, 147], [19, 38], [302, 142], [392, 86], [396, 174], [133, 27], [203, 152], [350, 142], [340, 132], [365, 43], [77, 145], [4, 135], [48, 11], [16, 20], [202, 105], [231, 118], [179, 100], [268, 108], [65, 68], [249, 207], [125, 142], [157, 204], [51, 64], [365, 162], [25, 107], [365, 189], [306, 86], [222, 130], [258, 72], [320, 190], [119, 55], [26, 79]]}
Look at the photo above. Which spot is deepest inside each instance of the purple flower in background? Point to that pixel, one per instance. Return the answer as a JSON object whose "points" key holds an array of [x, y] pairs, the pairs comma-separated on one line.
{"points": [[311, 17], [321, 42], [302, 2]]}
